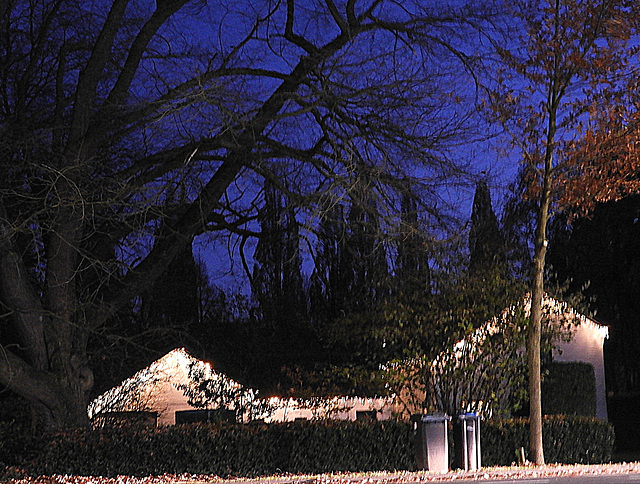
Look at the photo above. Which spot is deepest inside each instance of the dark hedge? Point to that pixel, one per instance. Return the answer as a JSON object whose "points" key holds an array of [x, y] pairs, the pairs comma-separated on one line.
{"points": [[569, 389], [230, 450], [566, 440], [308, 447]]}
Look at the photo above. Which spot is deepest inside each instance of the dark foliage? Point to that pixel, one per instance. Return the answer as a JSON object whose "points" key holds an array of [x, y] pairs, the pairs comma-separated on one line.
{"points": [[569, 389], [298, 447], [624, 415], [15, 441], [229, 450], [566, 440], [155, 322], [602, 253]]}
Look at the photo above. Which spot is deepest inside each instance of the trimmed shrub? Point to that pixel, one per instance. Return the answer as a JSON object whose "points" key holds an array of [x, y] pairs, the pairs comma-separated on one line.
{"points": [[569, 389], [310, 447], [230, 450], [566, 440], [352, 446]]}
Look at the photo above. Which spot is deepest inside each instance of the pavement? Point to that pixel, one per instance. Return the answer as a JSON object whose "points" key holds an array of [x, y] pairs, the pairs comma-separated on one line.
{"points": [[484, 474], [614, 471]]}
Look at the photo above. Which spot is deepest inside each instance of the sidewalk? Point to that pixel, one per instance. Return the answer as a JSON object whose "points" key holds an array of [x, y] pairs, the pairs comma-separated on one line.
{"points": [[356, 478], [554, 470]]}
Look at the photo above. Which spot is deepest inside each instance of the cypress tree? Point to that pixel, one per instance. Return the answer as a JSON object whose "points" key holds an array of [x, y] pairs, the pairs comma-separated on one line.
{"points": [[486, 242], [413, 274]]}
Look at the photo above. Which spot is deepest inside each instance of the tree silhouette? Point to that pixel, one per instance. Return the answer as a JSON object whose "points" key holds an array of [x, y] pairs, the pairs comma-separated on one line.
{"points": [[122, 139], [413, 273], [561, 47], [278, 286], [600, 257], [486, 243]]}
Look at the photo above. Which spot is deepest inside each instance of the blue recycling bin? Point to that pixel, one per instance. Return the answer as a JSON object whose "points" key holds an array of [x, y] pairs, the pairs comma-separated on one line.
{"points": [[466, 441], [431, 442]]}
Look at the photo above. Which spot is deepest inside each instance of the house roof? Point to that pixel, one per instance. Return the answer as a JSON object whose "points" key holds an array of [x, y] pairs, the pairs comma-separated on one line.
{"points": [[555, 306], [172, 369]]}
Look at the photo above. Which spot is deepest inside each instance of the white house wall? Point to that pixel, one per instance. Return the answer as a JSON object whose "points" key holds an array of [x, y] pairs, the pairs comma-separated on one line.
{"points": [[340, 408], [586, 346], [175, 371], [155, 389], [157, 384]]}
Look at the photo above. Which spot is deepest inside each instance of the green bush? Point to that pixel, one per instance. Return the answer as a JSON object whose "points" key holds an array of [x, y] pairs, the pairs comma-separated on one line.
{"points": [[297, 447], [351, 446], [569, 389], [566, 439], [230, 450]]}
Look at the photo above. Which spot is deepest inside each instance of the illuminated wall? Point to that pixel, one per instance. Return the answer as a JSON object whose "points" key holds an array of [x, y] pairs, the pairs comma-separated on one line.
{"points": [[587, 346]]}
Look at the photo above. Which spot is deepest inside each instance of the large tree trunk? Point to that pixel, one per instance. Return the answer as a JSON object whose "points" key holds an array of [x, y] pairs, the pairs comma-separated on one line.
{"points": [[48, 365], [58, 401]]}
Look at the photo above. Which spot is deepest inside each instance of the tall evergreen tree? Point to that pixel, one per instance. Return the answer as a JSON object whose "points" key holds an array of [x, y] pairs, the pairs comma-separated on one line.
{"points": [[332, 274], [413, 274], [277, 285], [277, 281], [351, 270], [266, 283], [518, 225], [486, 242], [349, 284], [293, 285], [487, 286], [367, 253]]}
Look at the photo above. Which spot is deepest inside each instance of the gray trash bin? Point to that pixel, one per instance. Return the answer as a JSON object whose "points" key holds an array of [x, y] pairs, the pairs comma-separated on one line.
{"points": [[466, 439], [432, 444]]}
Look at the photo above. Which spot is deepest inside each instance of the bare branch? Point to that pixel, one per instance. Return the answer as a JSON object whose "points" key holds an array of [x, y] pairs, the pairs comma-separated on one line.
{"points": [[138, 48], [293, 37], [92, 73]]}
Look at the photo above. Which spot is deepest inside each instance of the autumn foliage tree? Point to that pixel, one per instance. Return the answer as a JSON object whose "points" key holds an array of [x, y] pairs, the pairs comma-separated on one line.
{"points": [[565, 58], [127, 129], [604, 163]]}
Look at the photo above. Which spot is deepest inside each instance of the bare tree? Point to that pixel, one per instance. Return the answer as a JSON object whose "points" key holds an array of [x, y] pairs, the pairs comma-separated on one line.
{"points": [[125, 132], [565, 58]]}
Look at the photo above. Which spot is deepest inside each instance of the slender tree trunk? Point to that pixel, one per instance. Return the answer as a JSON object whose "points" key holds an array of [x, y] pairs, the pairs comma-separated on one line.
{"points": [[533, 345], [537, 290]]}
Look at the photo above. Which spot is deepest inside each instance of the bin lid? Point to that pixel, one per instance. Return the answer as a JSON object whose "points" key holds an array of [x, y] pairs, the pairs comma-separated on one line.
{"points": [[469, 416], [430, 417]]}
